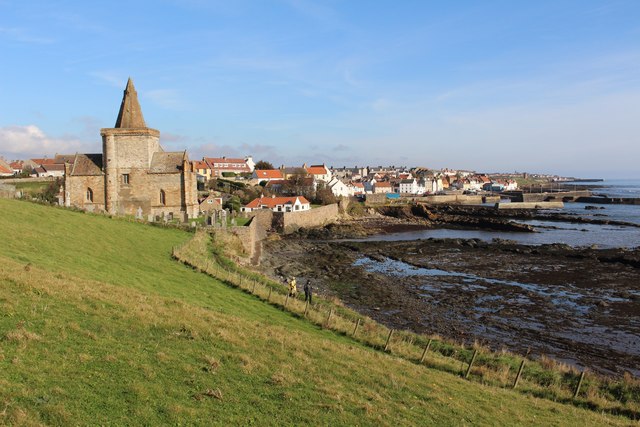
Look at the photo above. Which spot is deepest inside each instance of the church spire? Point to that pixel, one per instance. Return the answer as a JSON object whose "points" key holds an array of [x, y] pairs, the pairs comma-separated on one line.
{"points": [[130, 115]]}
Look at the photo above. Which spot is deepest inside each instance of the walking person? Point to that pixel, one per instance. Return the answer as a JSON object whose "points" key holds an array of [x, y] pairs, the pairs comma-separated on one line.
{"points": [[293, 289], [308, 290]]}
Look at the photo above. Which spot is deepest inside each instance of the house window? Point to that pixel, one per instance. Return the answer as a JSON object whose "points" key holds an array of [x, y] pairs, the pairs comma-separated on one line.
{"points": [[125, 178], [89, 195], [297, 207], [163, 198]]}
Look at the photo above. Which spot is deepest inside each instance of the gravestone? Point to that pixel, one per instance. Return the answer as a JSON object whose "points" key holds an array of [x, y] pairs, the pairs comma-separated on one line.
{"points": [[139, 213]]}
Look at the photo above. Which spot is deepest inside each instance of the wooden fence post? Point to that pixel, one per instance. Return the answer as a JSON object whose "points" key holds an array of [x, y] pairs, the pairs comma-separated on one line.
{"points": [[473, 359], [386, 346], [356, 328], [286, 301], [269, 297], [255, 282], [426, 348], [579, 385], [329, 317], [515, 383], [306, 307]]}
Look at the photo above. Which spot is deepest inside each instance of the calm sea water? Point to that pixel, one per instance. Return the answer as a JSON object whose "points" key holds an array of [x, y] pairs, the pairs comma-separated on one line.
{"points": [[615, 187], [604, 236]]}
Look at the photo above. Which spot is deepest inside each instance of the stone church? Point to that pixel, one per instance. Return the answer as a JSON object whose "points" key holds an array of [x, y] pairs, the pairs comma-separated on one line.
{"points": [[133, 175]]}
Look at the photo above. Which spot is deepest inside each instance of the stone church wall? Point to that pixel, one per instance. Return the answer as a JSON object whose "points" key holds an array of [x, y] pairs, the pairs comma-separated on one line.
{"points": [[76, 192]]}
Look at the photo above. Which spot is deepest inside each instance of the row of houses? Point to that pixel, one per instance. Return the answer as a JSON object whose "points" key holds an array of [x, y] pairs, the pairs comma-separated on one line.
{"points": [[38, 167], [348, 182], [218, 167]]}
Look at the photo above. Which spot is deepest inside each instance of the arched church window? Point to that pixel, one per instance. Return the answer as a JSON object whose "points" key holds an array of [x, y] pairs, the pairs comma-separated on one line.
{"points": [[89, 195], [163, 198]]}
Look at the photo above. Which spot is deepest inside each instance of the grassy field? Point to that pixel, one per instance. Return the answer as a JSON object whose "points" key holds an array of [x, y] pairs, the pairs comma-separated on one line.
{"points": [[99, 325], [31, 187]]}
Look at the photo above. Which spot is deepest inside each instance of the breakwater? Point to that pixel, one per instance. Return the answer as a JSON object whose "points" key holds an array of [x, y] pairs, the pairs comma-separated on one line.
{"points": [[609, 200]]}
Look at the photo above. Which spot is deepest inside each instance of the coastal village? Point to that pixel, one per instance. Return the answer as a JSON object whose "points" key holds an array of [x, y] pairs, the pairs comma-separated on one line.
{"points": [[135, 176], [319, 213]]}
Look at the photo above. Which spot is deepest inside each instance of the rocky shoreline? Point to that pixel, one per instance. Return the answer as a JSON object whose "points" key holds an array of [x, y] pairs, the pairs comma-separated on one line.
{"points": [[578, 305]]}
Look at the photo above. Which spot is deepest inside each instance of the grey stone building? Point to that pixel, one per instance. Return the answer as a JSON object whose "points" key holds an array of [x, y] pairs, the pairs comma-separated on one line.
{"points": [[133, 175]]}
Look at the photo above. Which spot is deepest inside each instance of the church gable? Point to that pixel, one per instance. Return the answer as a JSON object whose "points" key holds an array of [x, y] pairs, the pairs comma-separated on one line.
{"points": [[87, 164]]}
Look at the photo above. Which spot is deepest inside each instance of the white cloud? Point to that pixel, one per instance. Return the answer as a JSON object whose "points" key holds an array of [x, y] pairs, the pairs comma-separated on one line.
{"points": [[23, 142]]}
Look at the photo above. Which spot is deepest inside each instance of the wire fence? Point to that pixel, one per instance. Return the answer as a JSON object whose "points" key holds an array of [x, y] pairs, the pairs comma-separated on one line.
{"points": [[543, 378]]}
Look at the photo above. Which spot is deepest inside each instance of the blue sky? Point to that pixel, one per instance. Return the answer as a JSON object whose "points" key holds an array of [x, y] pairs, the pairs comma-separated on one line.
{"points": [[544, 86]]}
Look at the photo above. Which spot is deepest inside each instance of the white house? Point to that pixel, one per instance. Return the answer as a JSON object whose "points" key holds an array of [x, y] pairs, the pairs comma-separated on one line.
{"points": [[339, 188], [267, 175], [319, 172], [408, 186], [278, 204]]}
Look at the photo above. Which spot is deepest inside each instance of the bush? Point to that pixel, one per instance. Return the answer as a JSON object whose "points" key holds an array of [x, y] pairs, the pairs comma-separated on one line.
{"points": [[355, 209]]}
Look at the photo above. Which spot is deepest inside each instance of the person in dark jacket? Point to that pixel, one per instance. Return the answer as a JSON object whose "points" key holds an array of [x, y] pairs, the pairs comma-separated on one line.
{"points": [[307, 292]]}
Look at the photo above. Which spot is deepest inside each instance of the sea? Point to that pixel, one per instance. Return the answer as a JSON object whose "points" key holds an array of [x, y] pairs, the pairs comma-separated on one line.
{"points": [[547, 232]]}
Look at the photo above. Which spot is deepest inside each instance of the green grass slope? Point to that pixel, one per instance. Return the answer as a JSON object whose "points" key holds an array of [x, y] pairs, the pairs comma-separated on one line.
{"points": [[98, 325]]}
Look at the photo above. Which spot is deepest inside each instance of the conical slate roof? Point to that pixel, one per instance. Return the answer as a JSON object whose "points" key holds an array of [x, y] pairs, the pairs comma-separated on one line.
{"points": [[130, 115]]}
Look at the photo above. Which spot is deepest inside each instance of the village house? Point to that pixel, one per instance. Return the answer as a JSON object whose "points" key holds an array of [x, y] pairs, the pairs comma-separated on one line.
{"points": [[433, 184], [16, 166], [358, 188], [382, 187], [5, 168], [52, 170], [278, 204], [133, 175], [319, 172], [221, 166], [346, 173], [339, 188], [408, 186], [267, 175], [202, 170], [289, 171], [211, 203], [368, 185]]}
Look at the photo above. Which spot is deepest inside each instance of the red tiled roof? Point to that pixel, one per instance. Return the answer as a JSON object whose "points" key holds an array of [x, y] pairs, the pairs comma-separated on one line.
{"points": [[317, 170], [199, 164], [383, 184], [268, 173], [223, 160], [18, 164], [216, 163], [272, 202], [5, 170], [44, 161]]}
